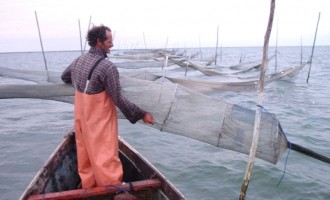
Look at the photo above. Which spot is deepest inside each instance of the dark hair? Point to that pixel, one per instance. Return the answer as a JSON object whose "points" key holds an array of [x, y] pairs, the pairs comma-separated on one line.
{"points": [[97, 32]]}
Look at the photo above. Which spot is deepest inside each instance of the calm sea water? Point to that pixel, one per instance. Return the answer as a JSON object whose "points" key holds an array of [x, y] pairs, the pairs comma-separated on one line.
{"points": [[31, 129]]}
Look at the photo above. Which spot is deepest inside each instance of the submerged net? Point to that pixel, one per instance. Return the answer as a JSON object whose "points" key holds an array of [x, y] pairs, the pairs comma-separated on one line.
{"points": [[182, 111], [206, 86]]}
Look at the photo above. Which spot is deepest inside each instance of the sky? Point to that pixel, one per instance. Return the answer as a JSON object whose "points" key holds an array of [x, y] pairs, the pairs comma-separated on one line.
{"points": [[161, 24]]}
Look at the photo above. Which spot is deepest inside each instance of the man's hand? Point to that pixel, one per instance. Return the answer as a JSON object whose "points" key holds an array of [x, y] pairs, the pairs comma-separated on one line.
{"points": [[148, 119]]}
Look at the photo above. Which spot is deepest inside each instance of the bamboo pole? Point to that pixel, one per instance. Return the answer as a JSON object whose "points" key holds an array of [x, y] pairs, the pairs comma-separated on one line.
{"points": [[145, 43], [221, 53], [114, 35], [310, 59], [216, 47], [185, 74], [241, 58], [276, 47], [256, 131], [164, 68], [42, 48], [200, 47], [166, 42], [81, 49], [301, 51], [89, 25]]}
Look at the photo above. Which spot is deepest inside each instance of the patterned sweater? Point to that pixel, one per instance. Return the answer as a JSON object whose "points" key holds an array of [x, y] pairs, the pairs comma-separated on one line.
{"points": [[105, 77]]}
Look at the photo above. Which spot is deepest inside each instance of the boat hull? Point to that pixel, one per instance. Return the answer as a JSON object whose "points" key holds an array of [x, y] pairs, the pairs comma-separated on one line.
{"points": [[59, 178]]}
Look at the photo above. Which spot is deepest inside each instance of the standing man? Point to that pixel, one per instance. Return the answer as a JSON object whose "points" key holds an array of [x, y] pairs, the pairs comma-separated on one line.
{"points": [[97, 93]]}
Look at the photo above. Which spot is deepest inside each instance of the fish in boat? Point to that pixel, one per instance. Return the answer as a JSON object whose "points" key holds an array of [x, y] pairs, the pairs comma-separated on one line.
{"points": [[59, 179]]}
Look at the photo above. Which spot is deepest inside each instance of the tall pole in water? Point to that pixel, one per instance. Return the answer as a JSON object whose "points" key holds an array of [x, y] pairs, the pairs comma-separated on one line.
{"points": [[256, 131], [89, 25], [216, 47], [81, 49], [144, 39], [276, 47], [310, 59], [42, 48]]}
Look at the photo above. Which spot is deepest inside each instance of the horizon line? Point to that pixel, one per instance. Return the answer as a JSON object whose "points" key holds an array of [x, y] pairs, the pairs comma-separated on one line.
{"points": [[119, 49]]}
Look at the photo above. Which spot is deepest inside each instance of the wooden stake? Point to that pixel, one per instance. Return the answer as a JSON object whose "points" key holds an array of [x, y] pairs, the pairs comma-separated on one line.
{"points": [[310, 59], [89, 25], [216, 47], [256, 130], [144, 39], [166, 43], [301, 51], [81, 49], [242, 58], [42, 48], [164, 68], [276, 47], [185, 74], [200, 47], [221, 53]]}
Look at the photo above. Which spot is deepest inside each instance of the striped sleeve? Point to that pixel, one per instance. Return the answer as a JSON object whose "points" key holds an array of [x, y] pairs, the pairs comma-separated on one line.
{"points": [[112, 86], [66, 75]]}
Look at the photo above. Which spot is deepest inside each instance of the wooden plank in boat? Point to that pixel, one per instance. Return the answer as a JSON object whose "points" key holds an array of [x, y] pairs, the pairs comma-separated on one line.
{"points": [[99, 192], [59, 174]]}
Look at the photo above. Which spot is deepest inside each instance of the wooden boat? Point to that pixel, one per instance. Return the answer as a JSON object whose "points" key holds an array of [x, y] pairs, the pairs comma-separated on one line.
{"points": [[59, 179]]}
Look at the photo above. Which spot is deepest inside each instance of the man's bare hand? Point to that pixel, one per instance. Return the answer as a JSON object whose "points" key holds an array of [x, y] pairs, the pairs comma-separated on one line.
{"points": [[148, 119]]}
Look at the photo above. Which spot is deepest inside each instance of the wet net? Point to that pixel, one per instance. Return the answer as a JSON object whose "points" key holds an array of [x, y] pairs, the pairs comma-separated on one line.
{"points": [[182, 111]]}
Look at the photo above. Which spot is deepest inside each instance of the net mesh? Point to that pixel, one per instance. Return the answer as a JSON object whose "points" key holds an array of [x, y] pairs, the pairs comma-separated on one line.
{"points": [[182, 111], [186, 112]]}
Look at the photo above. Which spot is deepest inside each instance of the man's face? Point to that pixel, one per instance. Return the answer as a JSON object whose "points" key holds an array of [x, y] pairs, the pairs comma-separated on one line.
{"points": [[107, 44]]}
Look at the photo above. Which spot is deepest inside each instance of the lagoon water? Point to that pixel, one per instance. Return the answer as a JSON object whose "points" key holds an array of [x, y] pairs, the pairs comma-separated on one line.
{"points": [[31, 129]]}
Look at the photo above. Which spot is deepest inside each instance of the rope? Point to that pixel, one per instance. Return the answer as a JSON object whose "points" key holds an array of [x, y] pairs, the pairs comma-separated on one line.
{"points": [[167, 118], [289, 145], [120, 190], [266, 111], [286, 161]]}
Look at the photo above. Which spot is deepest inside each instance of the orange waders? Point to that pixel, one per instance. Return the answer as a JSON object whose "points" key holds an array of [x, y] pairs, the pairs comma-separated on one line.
{"points": [[97, 140]]}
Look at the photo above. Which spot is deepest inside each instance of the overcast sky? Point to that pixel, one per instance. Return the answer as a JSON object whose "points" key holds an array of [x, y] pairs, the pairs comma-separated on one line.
{"points": [[160, 23]]}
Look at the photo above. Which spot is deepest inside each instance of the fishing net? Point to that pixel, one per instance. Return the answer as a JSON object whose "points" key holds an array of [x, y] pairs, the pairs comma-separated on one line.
{"points": [[186, 112], [235, 83], [182, 111]]}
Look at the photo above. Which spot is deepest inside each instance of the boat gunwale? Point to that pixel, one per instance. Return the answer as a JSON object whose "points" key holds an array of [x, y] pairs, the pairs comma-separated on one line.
{"points": [[166, 188], [148, 169]]}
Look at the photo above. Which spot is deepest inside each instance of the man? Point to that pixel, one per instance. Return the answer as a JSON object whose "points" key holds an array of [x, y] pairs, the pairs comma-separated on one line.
{"points": [[97, 93]]}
